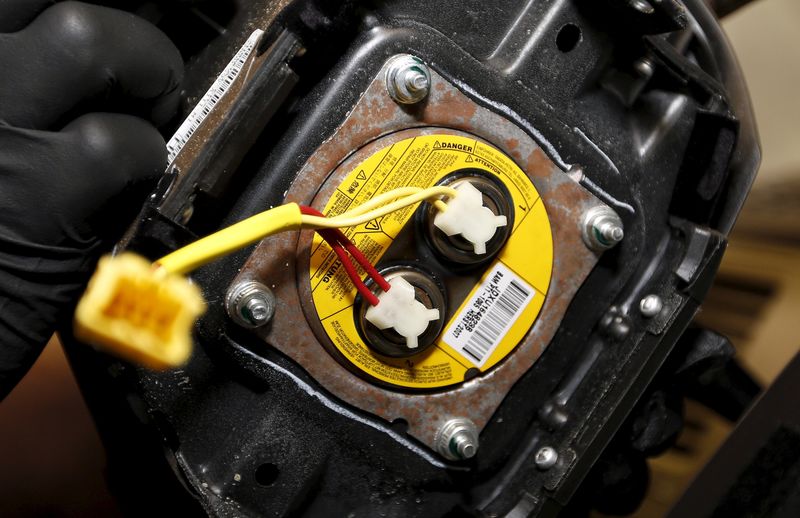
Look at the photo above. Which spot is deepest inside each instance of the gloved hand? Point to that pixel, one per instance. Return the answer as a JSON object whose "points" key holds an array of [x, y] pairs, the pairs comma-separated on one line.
{"points": [[72, 175]]}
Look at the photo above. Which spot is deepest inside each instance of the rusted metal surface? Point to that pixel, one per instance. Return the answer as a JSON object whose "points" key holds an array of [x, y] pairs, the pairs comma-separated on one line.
{"points": [[281, 262]]}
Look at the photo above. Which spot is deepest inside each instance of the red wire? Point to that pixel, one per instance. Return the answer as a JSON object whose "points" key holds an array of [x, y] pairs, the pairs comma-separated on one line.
{"points": [[339, 242], [353, 250], [349, 267], [364, 262]]}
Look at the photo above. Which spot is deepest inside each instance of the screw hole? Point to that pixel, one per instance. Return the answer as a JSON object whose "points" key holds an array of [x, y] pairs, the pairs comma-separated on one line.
{"points": [[400, 425], [267, 474], [568, 37]]}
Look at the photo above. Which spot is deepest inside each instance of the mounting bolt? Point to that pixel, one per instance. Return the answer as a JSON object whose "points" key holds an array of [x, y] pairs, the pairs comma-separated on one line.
{"points": [[457, 439], [250, 304], [601, 228], [408, 79], [651, 305], [258, 310], [546, 458]]}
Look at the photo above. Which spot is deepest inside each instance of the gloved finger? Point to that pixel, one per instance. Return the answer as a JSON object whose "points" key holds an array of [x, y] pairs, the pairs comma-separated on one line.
{"points": [[16, 14], [64, 195], [130, 154], [88, 180], [79, 56]]}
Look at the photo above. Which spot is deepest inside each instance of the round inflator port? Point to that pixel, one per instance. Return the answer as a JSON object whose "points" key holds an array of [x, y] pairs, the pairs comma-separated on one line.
{"points": [[455, 250], [428, 290]]}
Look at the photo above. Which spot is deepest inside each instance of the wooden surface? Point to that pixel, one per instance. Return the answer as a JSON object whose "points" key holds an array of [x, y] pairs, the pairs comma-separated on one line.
{"points": [[51, 459]]}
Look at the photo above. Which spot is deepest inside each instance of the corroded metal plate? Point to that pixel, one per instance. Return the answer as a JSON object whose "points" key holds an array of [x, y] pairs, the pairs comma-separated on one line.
{"points": [[281, 261]]}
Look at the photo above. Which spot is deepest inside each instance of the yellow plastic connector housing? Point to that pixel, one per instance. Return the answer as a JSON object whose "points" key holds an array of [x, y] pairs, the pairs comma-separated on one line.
{"points": [[139, 313]]}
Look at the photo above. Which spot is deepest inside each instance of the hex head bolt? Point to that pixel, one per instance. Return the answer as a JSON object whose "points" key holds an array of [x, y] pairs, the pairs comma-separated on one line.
{"points": [[601, 228], [250, 304], [408, 80], [457, 439]]}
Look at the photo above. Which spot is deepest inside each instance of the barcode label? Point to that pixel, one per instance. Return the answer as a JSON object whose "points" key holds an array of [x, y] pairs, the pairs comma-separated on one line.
{"points": [[488, 315], [212, 96]]}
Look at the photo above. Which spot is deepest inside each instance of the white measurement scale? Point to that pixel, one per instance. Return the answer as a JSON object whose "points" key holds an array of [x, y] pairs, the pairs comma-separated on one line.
{"points": [[220, 87]]}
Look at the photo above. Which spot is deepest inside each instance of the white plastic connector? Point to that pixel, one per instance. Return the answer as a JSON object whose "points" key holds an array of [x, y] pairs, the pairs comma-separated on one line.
{"points": [[466, 215], [399, 309]]}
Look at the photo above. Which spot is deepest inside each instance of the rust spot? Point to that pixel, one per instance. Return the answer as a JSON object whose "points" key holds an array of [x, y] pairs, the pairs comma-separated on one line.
{"points": [[566, 196], [451, 106], [539, 164]]}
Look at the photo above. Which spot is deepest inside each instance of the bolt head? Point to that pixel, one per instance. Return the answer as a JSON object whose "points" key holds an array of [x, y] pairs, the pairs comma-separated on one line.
{"points": [[250, 304], [257, 309], [602, 228], [546, 457], [408, 79], [651, 305], [416, 80], [463, 445], [610, 232], [457, 439]]}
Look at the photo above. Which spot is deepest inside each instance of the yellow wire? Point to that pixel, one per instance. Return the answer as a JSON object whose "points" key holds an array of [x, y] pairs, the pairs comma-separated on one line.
{"points": [[227, 240], [289, 217], [440, 205], [381, 199], [392, 195], [352, 219]]}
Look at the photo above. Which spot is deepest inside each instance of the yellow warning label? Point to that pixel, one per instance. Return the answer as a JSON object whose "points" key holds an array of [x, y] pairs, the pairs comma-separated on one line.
{"points": [[500, 309]]}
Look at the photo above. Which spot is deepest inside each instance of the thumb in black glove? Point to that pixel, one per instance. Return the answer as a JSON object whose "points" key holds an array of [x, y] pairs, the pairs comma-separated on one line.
{"points": [[70, 180]]}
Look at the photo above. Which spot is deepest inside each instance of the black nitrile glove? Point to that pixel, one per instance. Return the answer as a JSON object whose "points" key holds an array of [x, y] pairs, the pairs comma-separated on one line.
{"points": [[71, 176]]}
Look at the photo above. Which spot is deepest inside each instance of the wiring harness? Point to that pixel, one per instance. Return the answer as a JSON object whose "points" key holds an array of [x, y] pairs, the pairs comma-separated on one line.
{"points": [[144, 312]]}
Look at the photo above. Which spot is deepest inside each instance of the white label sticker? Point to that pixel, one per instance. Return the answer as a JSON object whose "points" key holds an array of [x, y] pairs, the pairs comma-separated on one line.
{"points": [[212, 96], [489, 314]]}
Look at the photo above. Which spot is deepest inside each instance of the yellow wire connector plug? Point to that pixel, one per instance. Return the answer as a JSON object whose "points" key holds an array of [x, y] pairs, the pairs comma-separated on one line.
{"points": [[138, 312]]}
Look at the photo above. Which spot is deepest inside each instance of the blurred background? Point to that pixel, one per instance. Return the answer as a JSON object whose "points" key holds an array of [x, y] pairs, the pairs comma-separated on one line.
{"points": [[756, 296], [51, 459]]}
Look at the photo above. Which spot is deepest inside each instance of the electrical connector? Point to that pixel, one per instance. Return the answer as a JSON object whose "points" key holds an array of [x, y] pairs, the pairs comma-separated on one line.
{"points": [[399, 309], [466, 215], [142, 314]]}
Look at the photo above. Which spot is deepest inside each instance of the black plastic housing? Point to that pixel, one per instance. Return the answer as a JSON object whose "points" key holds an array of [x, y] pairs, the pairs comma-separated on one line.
{"points": [[673, 151]]}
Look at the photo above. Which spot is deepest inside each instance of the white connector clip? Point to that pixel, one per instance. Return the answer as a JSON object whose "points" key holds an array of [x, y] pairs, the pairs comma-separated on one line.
{"points": [[398, 308], [466, 215]]}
